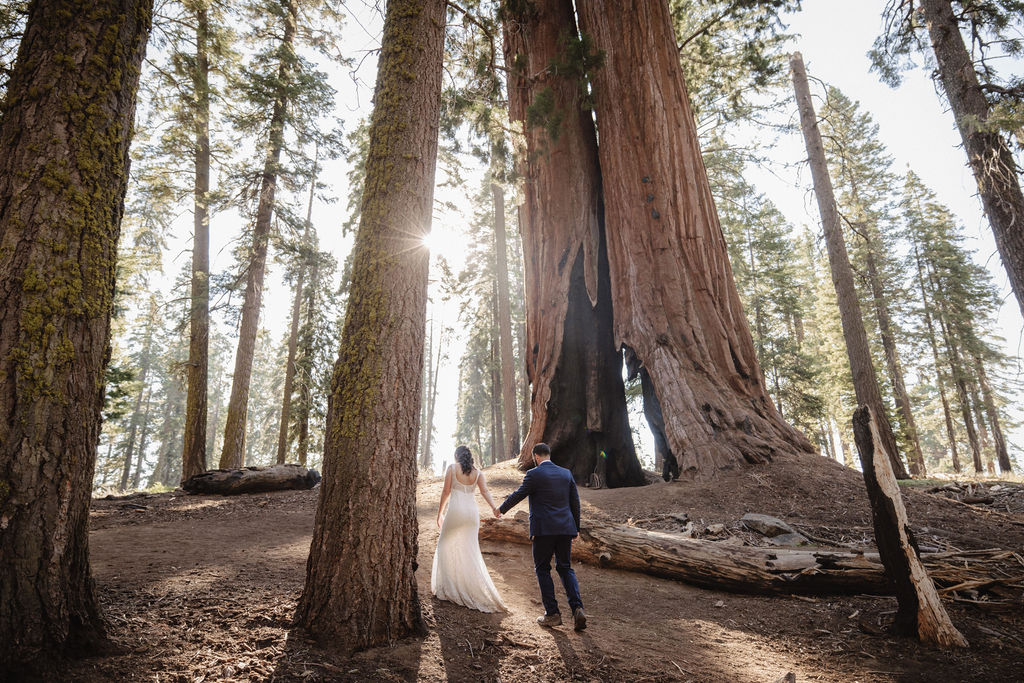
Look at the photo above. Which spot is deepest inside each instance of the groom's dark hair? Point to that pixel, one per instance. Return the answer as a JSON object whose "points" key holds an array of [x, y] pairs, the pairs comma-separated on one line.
{"points": [[542, 449]]}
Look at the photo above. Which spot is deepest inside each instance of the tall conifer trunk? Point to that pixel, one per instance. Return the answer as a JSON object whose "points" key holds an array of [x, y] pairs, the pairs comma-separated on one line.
{"points": [[1002, 456], [293, 334], [674, 299], [892, 361], [233, 448], [133, 425], [193, 457], [360, 584], [865, 381], [509, 414], [65, 127], [933, 342], [987, 152], [578, 404]]}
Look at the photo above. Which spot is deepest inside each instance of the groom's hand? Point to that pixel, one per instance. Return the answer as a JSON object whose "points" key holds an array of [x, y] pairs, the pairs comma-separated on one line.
{"points": [[497, 513]]}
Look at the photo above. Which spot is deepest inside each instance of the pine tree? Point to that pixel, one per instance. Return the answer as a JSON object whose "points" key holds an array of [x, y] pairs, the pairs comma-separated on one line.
{"points": [[363, 592], [985, 103], [862, 172], [958, 303], [60, 213], [865, 380], [284, 93]]}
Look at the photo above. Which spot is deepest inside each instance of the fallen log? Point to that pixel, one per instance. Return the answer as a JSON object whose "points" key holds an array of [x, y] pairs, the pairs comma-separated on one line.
{"points": [[919, 610], [711, 564], [231, 482]]}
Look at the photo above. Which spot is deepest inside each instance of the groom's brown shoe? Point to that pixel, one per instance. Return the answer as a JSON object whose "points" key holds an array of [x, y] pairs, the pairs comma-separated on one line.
{"points": [[579, 619], [550, 620]]}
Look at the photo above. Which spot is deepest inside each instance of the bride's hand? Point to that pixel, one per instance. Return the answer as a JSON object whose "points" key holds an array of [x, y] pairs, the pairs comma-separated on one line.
{"points": [[439, 521], [497, 513]]}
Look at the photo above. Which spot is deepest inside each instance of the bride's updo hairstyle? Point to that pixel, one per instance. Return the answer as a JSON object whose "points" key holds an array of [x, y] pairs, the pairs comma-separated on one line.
{"points": [[464, 457]]}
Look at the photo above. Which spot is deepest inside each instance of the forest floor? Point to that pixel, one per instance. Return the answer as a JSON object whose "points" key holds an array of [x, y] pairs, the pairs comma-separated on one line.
{"points": [[203, 588]]}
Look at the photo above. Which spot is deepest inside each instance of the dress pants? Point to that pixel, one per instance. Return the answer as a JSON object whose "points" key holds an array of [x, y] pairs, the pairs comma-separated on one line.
{"points": [[559, 546]]}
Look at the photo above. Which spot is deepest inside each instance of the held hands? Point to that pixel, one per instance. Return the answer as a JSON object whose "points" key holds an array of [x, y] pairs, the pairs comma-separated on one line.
{"points": [[496, 511]]}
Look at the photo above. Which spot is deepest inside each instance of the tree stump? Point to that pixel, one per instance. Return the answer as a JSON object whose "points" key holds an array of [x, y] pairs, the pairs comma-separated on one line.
{"points": [[920, 612], [231, 482]]}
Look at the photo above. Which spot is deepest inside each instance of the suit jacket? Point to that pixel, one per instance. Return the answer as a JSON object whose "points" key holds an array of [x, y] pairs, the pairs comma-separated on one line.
{"points": [[554, 501]]}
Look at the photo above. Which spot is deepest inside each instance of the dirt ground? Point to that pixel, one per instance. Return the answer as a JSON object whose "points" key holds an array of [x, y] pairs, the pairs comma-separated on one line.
{"points": [[203, 588]]}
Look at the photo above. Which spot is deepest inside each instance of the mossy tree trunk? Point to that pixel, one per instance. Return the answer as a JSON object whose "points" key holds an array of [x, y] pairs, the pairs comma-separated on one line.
{"points": [[65, 129], [578, 402], [865, 380], [193, 458], [360, 584], [233, 448]]}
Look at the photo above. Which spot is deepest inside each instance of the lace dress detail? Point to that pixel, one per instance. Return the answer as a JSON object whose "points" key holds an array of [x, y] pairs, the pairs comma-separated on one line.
{"points": [[459, 574]]}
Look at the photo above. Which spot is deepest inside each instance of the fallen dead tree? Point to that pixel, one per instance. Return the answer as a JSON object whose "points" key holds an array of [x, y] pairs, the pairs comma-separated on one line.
{"points": [[230, 482], [740, 569]]}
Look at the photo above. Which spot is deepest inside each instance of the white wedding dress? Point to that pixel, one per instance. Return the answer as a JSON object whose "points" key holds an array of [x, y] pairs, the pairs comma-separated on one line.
{"points": [[459, 573]]}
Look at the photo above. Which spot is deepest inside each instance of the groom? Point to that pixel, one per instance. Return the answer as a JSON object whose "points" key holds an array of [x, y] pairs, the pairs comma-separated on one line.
{"points": [[554, 522]]}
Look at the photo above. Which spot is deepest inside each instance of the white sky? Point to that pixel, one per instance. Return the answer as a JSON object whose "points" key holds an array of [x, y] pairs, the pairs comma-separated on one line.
{"points": [[834, 37]]}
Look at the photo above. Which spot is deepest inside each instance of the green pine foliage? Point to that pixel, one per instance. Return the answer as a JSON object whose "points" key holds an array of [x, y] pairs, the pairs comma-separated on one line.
{"points": [[961, 300], [992, 30]]}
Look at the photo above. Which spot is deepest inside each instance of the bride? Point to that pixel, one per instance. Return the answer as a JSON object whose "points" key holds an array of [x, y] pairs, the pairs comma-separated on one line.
{"points": [[459, 573]]}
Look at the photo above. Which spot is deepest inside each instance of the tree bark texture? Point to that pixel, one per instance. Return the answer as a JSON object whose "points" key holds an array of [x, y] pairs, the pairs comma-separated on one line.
{"points": [[233, 448], [65, 128], [293, 333], [193, 456], [892, 361], [919, 611], [989, 155], [360, 585], [509, 413], [578, 404], [865, 381], [673, 294]]}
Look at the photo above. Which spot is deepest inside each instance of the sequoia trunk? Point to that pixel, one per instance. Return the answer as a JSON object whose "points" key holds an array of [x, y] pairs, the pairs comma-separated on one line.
{"points": [[674, 299], [360, 584], [865, 381], [578, 403], [65, 130]]}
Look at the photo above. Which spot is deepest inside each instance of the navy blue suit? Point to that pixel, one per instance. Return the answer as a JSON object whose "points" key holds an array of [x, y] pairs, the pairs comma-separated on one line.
{"points": [[554, 522]]}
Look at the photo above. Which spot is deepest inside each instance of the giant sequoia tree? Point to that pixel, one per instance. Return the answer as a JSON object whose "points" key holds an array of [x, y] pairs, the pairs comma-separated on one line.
{"points": [[674, 300], [360, 583], [65, 127], [578, 403]]}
